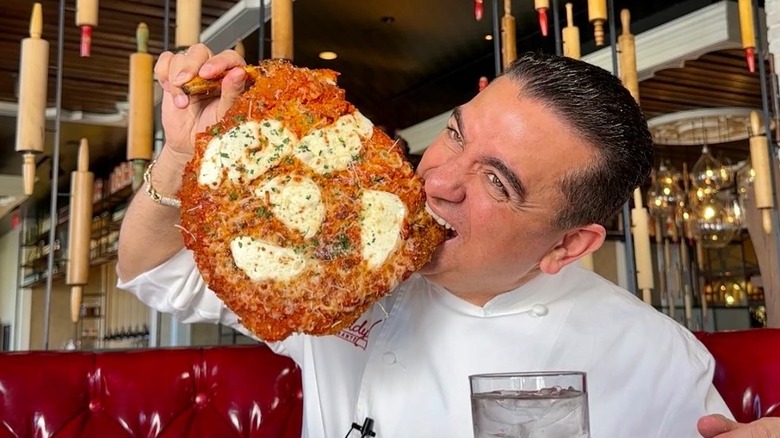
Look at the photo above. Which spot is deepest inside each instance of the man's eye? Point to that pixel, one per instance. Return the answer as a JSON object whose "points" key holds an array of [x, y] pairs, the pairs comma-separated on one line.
{"points": [[454, 134], [495, 181]]}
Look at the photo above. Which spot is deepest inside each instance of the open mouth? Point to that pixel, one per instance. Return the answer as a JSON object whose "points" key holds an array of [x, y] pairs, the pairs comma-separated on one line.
{"points": [[451, 232]]}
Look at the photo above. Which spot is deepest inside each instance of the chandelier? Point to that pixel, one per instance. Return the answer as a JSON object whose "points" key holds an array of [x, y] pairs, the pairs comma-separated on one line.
{"points": [[708, 207]]}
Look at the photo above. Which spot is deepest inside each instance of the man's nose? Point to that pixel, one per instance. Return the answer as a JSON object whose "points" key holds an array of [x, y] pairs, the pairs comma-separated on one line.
{"points": [[446, 182]]}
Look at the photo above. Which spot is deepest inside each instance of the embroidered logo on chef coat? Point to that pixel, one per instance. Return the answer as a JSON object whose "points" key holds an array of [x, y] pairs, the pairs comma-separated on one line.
{"points": [[357, 334]]}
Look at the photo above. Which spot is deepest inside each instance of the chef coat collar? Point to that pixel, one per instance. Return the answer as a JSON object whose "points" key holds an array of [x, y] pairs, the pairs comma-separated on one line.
{"points": [[533, 297]]}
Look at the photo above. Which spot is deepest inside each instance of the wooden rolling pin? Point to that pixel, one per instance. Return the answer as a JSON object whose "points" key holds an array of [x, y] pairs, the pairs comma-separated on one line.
{"points": [[140, 122], [80, 229], [86, 19], [508, 35], [747, 32], [240, 49], [571, 35], [282, 29], [33, 79], [597, 14], [644, 263], [639, 215], [628, 73], [542, 6], [759, 158], [188, 18]]}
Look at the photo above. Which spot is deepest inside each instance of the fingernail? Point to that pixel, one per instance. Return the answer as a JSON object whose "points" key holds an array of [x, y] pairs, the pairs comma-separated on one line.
{"points": [[182, 76], [181, 100]]}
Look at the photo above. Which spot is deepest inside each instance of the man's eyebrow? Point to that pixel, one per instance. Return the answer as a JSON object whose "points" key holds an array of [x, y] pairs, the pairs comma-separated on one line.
{"points": [[509, 175], [458, 116]]}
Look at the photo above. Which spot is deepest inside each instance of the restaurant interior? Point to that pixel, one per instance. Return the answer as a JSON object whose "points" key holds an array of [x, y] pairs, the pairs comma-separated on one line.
{"points": [[80, 122]]}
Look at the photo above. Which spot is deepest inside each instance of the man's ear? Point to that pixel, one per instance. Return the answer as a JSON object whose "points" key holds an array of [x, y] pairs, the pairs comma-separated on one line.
{"points": [[575, 244]]}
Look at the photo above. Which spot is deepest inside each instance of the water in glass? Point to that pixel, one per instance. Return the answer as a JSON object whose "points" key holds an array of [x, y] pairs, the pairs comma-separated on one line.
{"points": [[546, 413]]}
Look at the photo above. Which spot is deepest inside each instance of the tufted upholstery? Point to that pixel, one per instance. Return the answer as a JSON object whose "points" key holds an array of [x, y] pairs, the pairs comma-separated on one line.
{"points": [[747, 370], [212, 392], [251, 392]]}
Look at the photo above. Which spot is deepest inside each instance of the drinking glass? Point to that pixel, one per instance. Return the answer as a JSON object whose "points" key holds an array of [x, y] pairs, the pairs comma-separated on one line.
{"points": [[551, 404]]}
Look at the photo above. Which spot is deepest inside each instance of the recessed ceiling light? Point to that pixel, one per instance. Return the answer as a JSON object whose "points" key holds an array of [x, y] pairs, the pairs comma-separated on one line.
{"points": [[489, 37], [328, 56]]}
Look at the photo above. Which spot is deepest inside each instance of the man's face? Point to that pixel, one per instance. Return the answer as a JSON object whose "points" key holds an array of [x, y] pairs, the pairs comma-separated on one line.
{"points": [[494, 175]]}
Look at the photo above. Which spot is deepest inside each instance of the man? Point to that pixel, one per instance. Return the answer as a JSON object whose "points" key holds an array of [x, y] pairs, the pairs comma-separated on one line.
{"points": [[526, 174]]}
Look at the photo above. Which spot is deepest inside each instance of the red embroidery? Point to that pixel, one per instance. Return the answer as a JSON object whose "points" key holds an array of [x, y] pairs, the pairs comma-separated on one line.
{"points": [[357, 334]]}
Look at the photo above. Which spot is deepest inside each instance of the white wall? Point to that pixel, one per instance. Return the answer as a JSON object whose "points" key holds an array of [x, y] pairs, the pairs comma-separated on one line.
{"points": [[9, 254]]}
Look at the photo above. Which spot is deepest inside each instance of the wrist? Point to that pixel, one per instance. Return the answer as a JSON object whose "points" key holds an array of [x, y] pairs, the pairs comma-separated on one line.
{"points": [[168, 169], [154, 195]]}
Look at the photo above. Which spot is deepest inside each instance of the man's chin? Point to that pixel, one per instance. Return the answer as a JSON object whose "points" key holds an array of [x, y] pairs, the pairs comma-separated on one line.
{"points": [[434, 265]]}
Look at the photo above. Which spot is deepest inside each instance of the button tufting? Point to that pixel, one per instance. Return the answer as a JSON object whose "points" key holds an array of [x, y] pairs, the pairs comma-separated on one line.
{"points": [[201, 400], [95, 406]]}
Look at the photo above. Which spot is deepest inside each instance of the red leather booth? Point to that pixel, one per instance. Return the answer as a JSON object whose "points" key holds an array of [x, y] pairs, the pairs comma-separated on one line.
{"points": [[747, 371], [251, 392], [223, 392]]}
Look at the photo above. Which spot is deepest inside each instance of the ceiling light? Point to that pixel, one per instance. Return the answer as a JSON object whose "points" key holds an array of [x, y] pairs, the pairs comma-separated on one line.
{"points": [[328, 56], [489, 37]]}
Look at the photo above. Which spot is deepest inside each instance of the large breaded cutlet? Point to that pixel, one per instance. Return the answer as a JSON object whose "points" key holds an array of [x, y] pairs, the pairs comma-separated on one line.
{"points": [[300, 213]]}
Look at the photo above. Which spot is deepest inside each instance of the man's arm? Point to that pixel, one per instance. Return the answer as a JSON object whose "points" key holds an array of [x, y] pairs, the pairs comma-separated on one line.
{"points": [[149, 236]]}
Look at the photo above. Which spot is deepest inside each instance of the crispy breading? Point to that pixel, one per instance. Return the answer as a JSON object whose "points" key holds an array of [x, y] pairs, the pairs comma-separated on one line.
{"points": [[336, 286]]}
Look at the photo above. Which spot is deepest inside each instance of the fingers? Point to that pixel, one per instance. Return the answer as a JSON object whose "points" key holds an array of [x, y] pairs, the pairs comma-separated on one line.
{"points": [[174, 70], [161, 69], [713, 425], [219, 64], [183, 67], [232, 86]]}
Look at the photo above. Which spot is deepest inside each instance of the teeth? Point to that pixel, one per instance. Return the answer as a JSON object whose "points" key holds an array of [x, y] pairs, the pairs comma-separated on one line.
{"points": [[438, 218]]}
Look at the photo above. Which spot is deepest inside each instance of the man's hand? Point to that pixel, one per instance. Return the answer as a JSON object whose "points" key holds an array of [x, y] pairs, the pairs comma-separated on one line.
{"points": [[719, 426], [184, 116], [148, 236]]}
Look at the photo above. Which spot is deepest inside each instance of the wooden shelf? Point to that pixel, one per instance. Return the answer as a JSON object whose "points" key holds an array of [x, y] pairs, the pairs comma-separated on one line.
{"points": [[113, 200], [107, 252], [42, 279]]}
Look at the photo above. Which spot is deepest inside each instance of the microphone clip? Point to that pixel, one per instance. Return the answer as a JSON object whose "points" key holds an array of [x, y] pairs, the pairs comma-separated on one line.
{"points": [[367, 429]]}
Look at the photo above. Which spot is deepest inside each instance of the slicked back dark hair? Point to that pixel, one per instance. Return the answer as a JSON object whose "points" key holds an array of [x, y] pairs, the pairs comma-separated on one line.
{"points": [[597, 106]]}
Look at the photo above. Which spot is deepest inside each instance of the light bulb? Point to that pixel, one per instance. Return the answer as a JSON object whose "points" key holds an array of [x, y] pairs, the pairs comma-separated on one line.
{"points": [[708, 174], [665, 196], [713, 221]]}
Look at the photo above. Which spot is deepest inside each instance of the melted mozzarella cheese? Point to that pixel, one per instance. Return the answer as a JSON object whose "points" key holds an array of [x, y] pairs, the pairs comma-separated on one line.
{"points": [[334, 147], [243, 152], [263, 261], [382, 215], [298, 204]]}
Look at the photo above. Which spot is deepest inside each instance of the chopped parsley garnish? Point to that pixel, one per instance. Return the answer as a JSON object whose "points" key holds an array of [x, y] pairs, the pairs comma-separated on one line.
{"points": [[263, 212]]}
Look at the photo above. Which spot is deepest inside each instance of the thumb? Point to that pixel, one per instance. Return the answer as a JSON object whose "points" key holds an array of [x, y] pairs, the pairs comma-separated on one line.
{"points": [[232, 86], [714, 425]]}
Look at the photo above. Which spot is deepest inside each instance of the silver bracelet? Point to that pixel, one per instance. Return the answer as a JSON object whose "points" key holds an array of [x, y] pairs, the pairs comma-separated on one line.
{"points": [[157, 197]]}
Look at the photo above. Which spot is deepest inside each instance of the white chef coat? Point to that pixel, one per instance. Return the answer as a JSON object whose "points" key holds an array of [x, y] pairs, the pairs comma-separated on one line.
{"points": [[405, 363]]}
